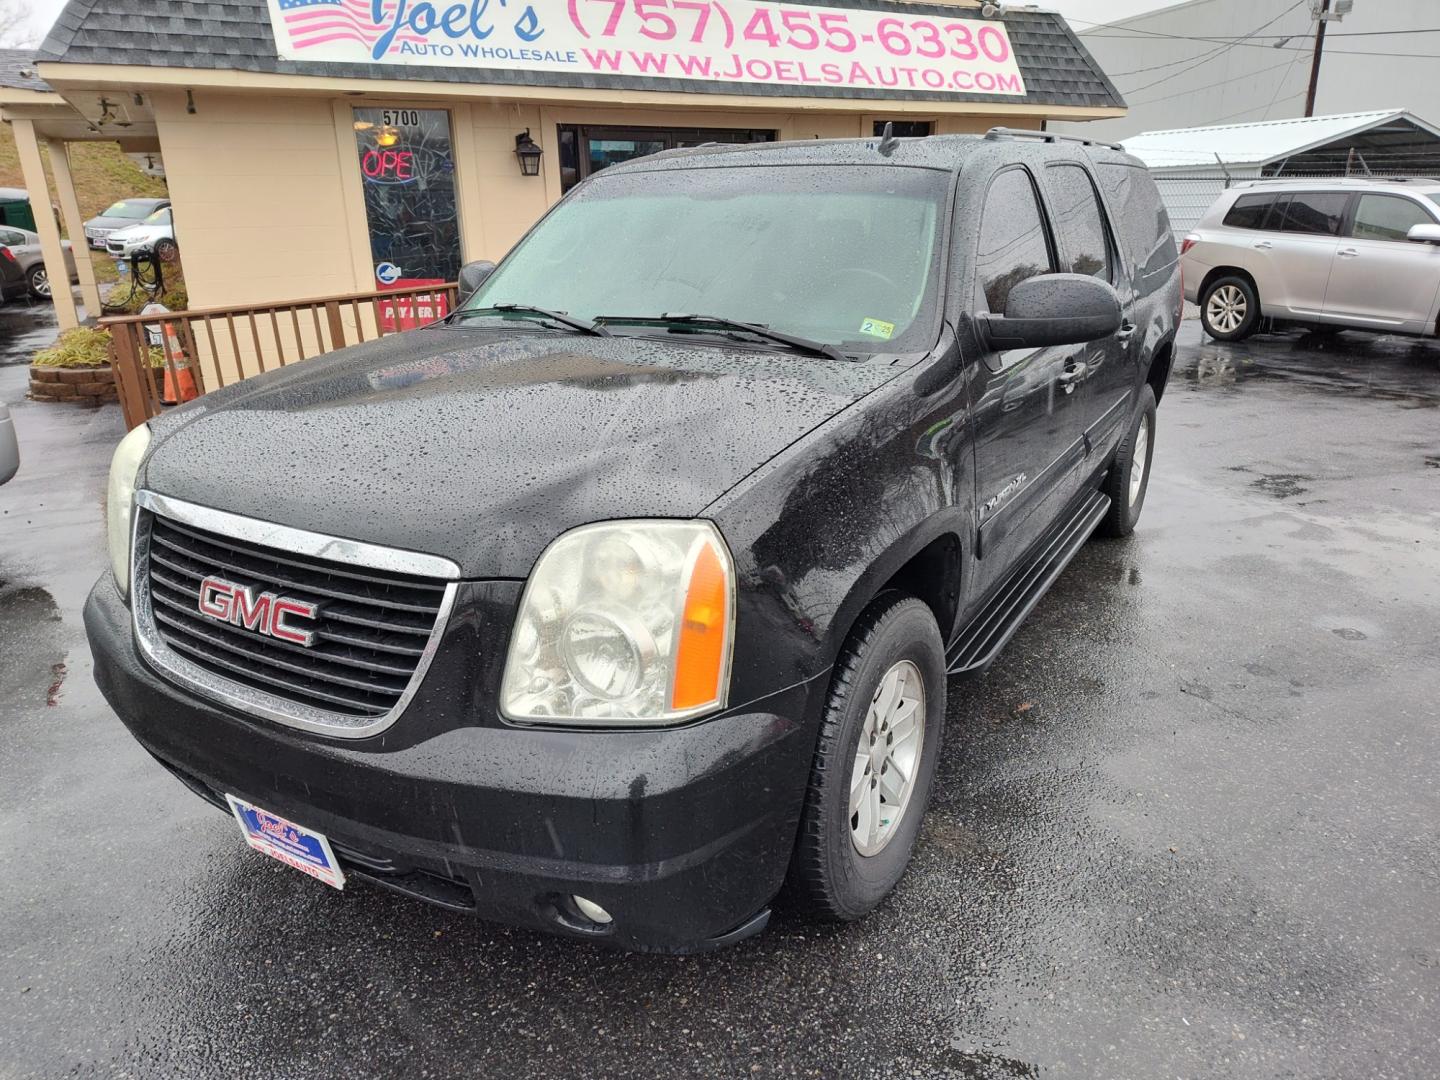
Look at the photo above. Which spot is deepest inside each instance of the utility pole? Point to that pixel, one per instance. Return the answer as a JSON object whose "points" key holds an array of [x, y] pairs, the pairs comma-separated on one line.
{"points": [[1321, 18]]}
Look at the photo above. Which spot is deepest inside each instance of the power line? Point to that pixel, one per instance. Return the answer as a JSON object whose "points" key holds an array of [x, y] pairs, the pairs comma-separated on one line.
{"points": [[1215, 52], [1209, 86]]}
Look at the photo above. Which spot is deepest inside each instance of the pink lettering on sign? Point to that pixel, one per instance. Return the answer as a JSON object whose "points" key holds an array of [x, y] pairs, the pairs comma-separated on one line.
{"points": [[388, 166], [740, 41]]}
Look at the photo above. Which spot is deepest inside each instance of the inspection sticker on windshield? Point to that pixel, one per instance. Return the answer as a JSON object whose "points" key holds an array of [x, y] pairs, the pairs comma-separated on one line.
{"points": [[294, 845], [878, 328]]}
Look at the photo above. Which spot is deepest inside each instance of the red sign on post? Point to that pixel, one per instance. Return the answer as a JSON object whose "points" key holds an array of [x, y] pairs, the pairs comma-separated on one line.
{"points": [[408, 312]]}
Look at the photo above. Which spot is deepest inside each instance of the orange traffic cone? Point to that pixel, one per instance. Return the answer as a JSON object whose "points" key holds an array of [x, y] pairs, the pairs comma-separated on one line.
{"points": [[179, 379]]}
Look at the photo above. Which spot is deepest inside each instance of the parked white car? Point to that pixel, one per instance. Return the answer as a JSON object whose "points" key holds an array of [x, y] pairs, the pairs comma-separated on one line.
{"points": [[156, 233], [1329, 253], [120, 215], [9, 447], [25, 245]]}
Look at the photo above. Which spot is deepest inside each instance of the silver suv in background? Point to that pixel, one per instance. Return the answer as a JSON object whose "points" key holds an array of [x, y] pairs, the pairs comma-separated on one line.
{"points": [[1325, 253]]}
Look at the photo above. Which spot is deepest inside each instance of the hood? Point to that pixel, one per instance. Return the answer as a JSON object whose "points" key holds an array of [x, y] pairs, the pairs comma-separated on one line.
{"points": [[140, 232], [484, 445]]}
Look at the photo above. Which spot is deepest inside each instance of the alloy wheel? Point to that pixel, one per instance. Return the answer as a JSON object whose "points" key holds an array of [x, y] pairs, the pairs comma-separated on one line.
{"points": [[1138, 455], [1227, 308], [40, 282], [887, 758]]}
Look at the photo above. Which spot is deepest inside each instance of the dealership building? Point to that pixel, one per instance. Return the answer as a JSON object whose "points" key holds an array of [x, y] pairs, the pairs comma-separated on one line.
{"points": [[318, 147]]}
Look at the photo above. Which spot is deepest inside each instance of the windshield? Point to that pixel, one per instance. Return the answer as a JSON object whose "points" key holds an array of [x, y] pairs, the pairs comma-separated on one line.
{"points": [[159, 217], [125, 209], [844, 256]]}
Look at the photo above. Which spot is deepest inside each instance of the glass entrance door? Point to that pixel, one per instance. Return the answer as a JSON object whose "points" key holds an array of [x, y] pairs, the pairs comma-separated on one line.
{"points": [[586, 149], [408, 168]]}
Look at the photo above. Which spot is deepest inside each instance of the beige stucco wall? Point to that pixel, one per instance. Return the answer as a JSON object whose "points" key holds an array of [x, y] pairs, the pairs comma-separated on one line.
{"points": [[259, 206], [267, 188]]}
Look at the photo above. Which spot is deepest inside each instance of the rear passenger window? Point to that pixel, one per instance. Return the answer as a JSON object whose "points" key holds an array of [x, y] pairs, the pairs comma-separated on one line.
{"points": [[1387, 217], [1317, 213], [1013, 245], [1140, 219], [1079, 221], [1249, 212]]}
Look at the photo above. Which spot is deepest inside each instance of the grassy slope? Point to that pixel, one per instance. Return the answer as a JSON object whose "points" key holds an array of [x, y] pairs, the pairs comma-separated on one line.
{"points": [[102, 175]]}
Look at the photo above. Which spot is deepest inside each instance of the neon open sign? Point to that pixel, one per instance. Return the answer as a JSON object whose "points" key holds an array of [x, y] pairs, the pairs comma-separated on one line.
{"points": [[388, 166]]}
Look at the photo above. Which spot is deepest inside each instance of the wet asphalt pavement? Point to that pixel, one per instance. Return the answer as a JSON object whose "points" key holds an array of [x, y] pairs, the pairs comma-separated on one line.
{"points": [[1187, 826]]}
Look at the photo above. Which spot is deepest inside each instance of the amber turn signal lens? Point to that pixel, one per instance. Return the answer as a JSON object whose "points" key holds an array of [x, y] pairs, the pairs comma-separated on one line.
{"points": [[701, 652]]}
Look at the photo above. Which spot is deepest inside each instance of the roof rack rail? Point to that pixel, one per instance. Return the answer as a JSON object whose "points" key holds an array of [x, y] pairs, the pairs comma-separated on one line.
{"points": [[995, 134], [1316, 178]]}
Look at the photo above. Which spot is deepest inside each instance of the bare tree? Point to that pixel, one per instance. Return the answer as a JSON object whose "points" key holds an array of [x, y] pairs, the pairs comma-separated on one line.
{"points": [[16, 29]]}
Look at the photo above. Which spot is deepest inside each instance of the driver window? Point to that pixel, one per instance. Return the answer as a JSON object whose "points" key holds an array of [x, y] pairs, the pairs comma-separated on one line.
{"points": [[1013, 242]]}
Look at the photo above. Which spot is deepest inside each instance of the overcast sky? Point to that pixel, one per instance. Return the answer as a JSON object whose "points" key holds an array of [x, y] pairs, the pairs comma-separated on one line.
{"points": [[1091, 11]]}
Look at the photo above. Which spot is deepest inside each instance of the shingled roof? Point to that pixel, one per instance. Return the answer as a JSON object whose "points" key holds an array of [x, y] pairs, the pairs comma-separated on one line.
{"points": [[236, 36], [17, 71]]}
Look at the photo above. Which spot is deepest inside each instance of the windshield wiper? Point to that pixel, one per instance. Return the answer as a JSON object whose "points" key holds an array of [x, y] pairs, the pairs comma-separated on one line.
{"points": [[720, 322], [583, 326]]}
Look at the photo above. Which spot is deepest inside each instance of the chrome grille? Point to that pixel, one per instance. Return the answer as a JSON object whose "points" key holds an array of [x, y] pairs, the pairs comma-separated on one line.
{"points": [[376, 625]]}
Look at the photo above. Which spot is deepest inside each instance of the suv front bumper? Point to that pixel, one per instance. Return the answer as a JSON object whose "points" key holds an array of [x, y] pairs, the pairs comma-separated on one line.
{"points": [[682, 835]]}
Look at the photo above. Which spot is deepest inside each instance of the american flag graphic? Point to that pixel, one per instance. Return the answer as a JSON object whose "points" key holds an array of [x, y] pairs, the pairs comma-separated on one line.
{"points": [[316, 22]]}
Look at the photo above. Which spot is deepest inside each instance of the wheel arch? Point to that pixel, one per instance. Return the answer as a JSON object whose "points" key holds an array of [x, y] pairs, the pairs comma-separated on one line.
{"points": [[1217, 272], [1161, 360], [926, 563]]}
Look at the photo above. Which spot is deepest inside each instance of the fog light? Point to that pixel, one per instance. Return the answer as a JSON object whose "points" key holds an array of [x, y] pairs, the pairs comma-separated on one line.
{"points": [[591, 910]]}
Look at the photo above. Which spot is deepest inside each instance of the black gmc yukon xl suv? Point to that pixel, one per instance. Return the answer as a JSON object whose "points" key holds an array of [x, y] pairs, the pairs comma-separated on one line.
{"points": [[625, 596]]}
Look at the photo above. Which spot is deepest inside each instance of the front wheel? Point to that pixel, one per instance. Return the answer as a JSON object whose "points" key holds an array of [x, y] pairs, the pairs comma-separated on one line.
{"points": [[1129, 475], [1230, 309], [876, 755], [166, 250], [39, 282]]}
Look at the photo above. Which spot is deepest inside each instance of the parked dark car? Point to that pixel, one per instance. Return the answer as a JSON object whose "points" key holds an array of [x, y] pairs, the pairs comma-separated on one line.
{"points": [[13, 283], [626, 595]]}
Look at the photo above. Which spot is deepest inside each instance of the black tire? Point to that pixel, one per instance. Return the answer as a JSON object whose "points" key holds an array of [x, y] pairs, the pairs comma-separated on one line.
{"points": [[829, 879], [1124, 511], [39, 282], [1237, 296], [166, 250]]}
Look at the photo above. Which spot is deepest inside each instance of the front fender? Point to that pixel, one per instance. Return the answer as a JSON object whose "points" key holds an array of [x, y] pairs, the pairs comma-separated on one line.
{"points": [[819, 530]]}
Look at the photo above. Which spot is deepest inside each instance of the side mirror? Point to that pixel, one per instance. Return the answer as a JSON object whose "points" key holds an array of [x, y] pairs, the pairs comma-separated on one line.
{"points": [[473, 275], [1054, 309], [1424, 234]]}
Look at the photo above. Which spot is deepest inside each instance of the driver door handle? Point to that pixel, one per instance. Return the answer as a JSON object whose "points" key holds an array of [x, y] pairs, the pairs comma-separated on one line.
{"points": [[1072, 375], [1126, 329], [1348, 253], [1263, 245]]}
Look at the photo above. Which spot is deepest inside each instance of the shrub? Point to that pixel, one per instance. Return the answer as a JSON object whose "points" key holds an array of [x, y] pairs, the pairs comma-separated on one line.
{"points": [[174, 298], [84, 346]]}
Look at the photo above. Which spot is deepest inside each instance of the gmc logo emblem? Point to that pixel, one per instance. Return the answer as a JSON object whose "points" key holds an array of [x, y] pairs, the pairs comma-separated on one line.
{"points": [[267, 614]]}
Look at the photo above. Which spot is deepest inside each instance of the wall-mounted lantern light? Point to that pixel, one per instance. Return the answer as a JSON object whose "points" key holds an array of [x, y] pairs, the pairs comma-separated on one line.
{"points": [[528, 152]]}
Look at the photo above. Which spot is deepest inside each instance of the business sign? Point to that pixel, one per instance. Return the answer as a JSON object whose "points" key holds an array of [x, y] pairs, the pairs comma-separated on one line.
{"points": [[723, 41]]}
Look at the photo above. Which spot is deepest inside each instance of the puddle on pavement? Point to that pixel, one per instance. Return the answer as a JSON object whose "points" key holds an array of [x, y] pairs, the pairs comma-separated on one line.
{"points": [[1384, 368], [1281, 485], [24, 328], [972, 1063], [32, 656]]}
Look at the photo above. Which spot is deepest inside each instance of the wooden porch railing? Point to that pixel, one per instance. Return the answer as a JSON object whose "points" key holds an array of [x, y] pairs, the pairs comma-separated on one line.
{"points": [[206, 348]]}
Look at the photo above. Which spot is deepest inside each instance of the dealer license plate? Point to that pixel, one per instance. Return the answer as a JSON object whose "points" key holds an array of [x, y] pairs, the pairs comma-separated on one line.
{"points": [[294, 845]]}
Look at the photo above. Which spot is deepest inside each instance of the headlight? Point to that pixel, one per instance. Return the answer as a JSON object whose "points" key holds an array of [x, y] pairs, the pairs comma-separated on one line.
{"points": [[624, 623], [120, 502]]}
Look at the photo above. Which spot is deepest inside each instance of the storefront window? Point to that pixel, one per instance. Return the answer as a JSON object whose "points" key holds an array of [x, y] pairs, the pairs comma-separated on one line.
{"points": [[905, 129], [585, 150], [407, 165]]}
